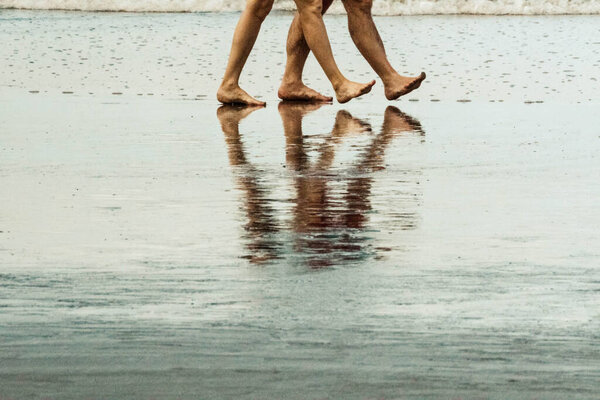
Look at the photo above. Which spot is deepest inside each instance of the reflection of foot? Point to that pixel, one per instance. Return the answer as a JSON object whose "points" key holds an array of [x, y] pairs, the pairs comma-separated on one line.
{"points": [[401, 85], [289, 108], [300, 92], [236, 95], [346, 124], [230, 115], [349, 90], [395, 121]]}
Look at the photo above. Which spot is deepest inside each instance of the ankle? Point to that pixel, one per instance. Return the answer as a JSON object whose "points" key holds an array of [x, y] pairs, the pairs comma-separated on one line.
{"points": [[291, 81], [229, 84], [339, 83]]}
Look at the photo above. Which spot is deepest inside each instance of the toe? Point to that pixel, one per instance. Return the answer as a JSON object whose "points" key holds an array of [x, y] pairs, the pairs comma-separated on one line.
{"points": [[324, 99], [251, 101], [366, 89]]}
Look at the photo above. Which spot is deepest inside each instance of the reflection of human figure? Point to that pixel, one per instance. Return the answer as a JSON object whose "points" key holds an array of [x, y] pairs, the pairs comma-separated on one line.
{"points": [[262, 227], [314, 37], [330, 224], [366, 38], [330, 207]]}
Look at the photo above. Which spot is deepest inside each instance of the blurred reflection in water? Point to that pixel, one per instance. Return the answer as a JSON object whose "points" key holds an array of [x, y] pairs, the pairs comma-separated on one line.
{"points": [[261, 227], [330, 210]]}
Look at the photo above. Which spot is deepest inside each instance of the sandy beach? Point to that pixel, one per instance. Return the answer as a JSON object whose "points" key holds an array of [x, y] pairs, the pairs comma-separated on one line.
{"points": [[155, 245]]}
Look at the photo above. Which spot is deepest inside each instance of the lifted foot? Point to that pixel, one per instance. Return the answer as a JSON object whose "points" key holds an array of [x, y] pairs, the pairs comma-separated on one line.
{"points": [[402, 85], [349, 90]]}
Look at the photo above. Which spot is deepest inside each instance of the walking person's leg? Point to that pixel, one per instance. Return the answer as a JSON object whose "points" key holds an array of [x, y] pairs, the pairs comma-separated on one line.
{"points": [[292, 87], [244, 38], [315, 34], [366, 37]]}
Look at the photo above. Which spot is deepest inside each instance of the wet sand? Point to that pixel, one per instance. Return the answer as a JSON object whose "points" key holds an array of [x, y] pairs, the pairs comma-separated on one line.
{"points": [[157, 247]]}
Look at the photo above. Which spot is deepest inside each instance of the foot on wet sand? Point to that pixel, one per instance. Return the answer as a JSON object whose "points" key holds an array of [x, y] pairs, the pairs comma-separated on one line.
{"points": [[402, 85], [300, 92], [236, 95], [349, 90]]}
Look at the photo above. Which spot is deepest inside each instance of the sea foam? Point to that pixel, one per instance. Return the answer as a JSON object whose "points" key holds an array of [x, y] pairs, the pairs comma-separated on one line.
{"points": [[380, 7]]}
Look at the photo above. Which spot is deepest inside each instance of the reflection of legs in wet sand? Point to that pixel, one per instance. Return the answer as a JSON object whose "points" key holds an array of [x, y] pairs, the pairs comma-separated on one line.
{"points": [[329, 221], [331, 205], [262, 224], [315, 37], [395, 122], [359, 188], [311, 189], [319, 214], [366, 37]]}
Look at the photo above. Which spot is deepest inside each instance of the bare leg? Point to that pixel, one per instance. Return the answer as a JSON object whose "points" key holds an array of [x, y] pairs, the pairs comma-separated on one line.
{"points": [[292, 87], [244, 37], [366, 37], [315, 34]]}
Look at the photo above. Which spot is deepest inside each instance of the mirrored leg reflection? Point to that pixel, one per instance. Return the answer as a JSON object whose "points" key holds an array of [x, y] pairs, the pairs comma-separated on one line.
{"points": [[329, 219], [331, 204], [261, 227]]}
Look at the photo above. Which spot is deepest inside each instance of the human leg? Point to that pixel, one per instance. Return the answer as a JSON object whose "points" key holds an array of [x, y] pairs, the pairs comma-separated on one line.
{"points": [[315, 34], [244, 38], [366, 37], [292, 87]]}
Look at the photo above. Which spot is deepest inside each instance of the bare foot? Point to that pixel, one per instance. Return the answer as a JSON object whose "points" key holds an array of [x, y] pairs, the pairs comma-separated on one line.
{"points": [[300, 92], [349, 90], [402, 85], [236, 95]]}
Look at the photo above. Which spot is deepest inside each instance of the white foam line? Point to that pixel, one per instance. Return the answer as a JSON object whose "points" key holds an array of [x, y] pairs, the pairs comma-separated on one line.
{"points": [[381, 7]]}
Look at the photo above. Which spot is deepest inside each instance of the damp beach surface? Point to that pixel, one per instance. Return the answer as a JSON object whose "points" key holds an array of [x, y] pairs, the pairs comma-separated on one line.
{"points": [[156, 245]]}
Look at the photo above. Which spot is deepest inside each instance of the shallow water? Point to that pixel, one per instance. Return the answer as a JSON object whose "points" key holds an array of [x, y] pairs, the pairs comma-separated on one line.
{"points": [[156, 247], [380, 7]]}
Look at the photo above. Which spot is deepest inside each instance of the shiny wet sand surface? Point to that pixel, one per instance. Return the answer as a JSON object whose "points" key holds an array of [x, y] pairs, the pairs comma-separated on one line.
{"points": [[298, 251], [156, 247]]}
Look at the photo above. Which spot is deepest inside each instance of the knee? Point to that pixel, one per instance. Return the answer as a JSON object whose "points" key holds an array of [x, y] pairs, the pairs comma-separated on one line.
{"points": [[313, 7], [363, 6], [260, 8]]}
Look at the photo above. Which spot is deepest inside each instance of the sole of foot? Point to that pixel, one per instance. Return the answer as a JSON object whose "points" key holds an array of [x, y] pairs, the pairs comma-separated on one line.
{"points": [[407, 86]]}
